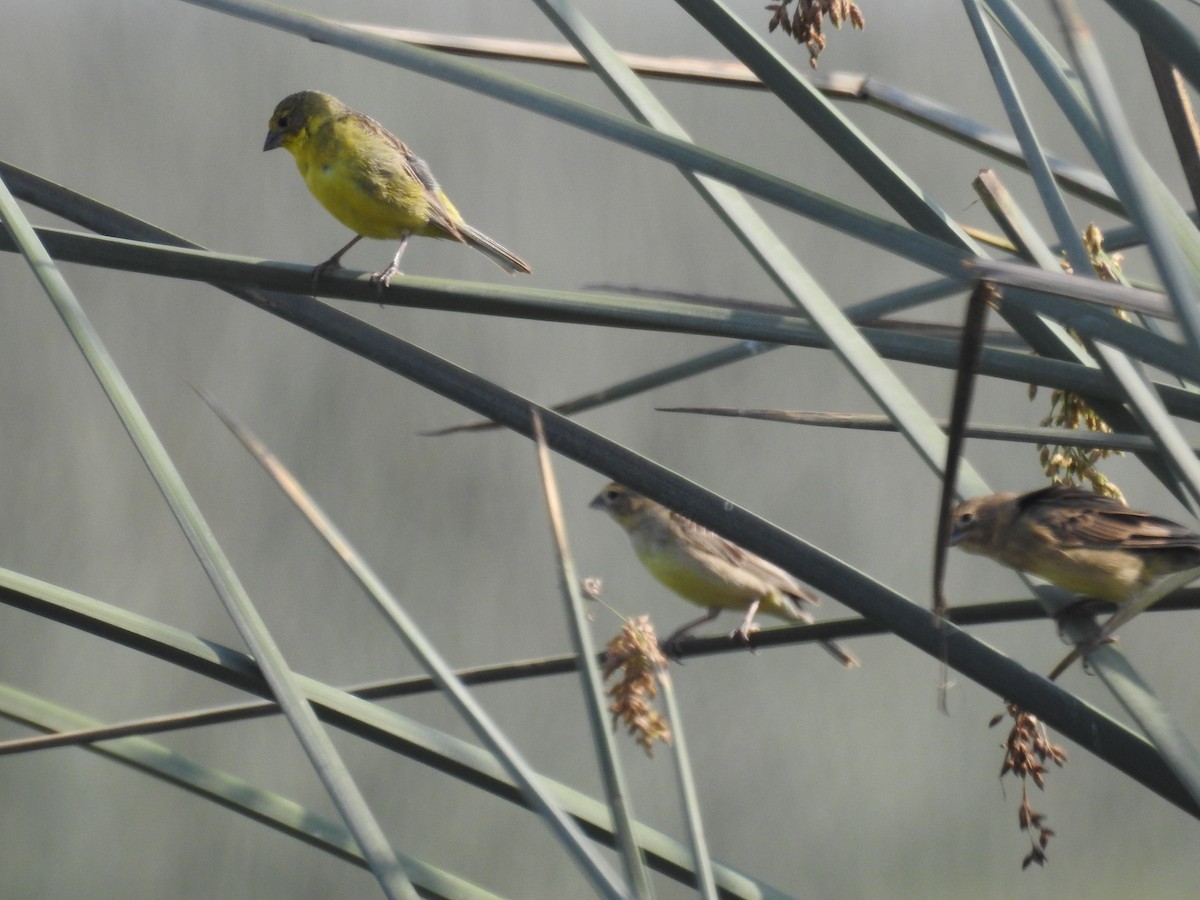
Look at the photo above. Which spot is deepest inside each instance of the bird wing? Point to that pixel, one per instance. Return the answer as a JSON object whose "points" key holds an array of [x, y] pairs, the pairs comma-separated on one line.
{"points": [[713, 545], [415, 169], [1080, 518]]}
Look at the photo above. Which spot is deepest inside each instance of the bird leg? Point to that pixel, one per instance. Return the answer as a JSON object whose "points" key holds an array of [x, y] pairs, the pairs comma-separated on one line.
{"points": [[382, 278], [747, 628], [1083, 608], [332, 263], [670, 646]]}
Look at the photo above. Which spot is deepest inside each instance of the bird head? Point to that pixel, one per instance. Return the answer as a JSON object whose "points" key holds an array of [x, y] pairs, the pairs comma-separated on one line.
{"points": [[973, 523], [622, 504], [295, 116]]}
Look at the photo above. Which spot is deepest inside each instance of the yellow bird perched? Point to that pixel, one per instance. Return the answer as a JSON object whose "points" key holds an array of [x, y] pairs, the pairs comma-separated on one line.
{"points": [[1088, 544], [370, 181], [706, 569]]}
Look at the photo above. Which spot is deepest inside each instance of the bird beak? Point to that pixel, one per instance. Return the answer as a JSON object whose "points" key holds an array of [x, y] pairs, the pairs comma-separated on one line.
{"points": [[274, 139], [597, 502], [956, 535]]}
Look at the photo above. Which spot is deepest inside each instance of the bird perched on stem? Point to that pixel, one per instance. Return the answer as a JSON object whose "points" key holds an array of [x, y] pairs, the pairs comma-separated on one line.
{"points": [[706, 569], [370, 181], [1091, 545]]}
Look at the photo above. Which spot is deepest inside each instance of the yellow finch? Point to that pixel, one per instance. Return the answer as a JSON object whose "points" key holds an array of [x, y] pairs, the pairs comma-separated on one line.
{"points": [[706, 569], [369, 180], [1091, 545]]}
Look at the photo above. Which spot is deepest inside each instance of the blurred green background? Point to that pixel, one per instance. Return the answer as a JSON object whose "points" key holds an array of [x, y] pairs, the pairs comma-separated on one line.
{"points": [[822, 782]]}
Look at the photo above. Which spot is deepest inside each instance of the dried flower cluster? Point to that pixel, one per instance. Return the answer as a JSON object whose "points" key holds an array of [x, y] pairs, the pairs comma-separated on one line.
{"points": [[1025, 751], [636, 653], [1064, 463], [804, 23], [1107, 266]]}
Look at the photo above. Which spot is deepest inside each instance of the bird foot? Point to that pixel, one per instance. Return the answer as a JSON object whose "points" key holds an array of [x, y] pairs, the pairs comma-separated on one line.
{"points": [[743, 633], [319, 271], [1085, 649], [383, 279], [672, 648], [1083, 608]]}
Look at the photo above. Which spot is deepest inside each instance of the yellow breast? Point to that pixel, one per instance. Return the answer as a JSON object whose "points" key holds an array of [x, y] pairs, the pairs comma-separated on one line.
{"points": [[695, 582], [1102, 575], [363, 186]]}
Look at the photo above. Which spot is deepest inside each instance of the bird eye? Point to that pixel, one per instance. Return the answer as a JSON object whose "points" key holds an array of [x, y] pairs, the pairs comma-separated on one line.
{"points": [[965, 519], [282, 123]]}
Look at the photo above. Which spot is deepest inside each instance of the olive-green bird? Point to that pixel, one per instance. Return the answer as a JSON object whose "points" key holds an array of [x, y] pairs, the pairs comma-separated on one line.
{"points": [[1091, 545], [370, 181], [706, 569]]}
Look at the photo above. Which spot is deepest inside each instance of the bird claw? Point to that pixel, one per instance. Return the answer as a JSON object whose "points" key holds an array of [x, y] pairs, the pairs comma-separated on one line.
{"points": [[672, 648], [1100, 641], [1084, 651], [1083, 608], [383, 279], [743, 633], [320, 270]]}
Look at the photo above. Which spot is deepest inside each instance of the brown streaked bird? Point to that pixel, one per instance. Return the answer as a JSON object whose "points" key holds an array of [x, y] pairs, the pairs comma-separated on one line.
{"points": [[1091, 545], [706, 569], [370, 181]]}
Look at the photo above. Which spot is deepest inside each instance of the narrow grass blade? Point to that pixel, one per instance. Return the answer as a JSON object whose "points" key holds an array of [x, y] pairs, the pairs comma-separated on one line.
{"points": [[1015, 224], [591, 309], [706, 882], [988, 613], [996, 363], [1128, 687], [1077, 105], [1177, 110], [543, 304], [1174, 245], [1152, 717], [896, 238], [1086, 320], [366, 720], [1159, 26], [1010, 433], [841, 135], [1075, 719], [845, 86], [1089, 290], [593, 866], [1177, 466], [842, 582], [1075, 179], [960, 411], [1055, 74], [1146, 407], [752, 230], [312, 737], [565, 307], [619, 802], [867, 311], [1069, 235], [242, 797], [366, 341], [1043, 335], [971, 347], [705, 362]]}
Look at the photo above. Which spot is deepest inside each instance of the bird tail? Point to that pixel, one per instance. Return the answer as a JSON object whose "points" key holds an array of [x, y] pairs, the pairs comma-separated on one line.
{"points": [[795, 598], [841, 654], [500, 255]]}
